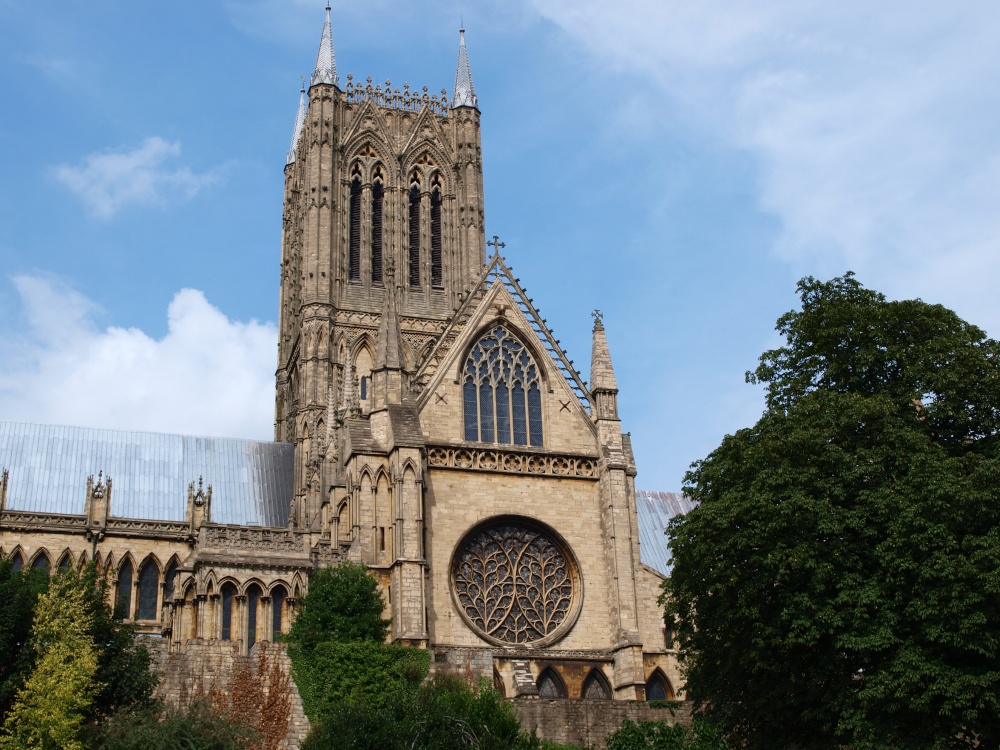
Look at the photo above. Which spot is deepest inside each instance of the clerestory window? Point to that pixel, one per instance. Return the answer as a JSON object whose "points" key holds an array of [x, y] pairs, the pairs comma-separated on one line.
{"points": [[502, 392]]}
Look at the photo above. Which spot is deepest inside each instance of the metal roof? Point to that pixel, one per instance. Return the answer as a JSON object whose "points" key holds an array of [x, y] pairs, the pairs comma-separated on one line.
{"points": [[655, 509], [49, 465]]}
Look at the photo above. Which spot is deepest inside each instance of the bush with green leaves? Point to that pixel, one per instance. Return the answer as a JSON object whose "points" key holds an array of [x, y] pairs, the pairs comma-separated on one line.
{"points": [[196, 727], [661, 735]]}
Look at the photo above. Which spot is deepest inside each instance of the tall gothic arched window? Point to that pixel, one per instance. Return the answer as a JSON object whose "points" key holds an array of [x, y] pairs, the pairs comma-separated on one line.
{"points": [[123, 598], [354, 229], [378, 192], [278, 596], [168, 581], [149, 580], [502, 392], [436, 268], [17, 563], [414, 234], [253, 599], [228, 592]]}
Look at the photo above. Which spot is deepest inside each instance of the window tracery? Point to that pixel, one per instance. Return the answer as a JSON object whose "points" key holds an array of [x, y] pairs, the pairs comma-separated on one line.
{"points": [[149, 578], [550, 685], [515, 583], [502, 392]]}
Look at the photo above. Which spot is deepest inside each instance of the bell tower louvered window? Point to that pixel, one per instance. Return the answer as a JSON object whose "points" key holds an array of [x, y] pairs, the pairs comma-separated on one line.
{"points": [[354, 230], [502, 392], [414, 235], [377, 199], [436, 272]]}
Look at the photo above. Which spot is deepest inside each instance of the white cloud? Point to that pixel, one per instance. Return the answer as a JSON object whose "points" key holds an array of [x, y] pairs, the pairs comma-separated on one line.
{"points": [[208, 375], [876, 126], [112, 179]]}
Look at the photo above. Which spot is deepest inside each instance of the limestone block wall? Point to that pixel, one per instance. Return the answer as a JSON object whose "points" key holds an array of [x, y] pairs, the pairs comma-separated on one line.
{"points": [[588, 723], [207, 663]]}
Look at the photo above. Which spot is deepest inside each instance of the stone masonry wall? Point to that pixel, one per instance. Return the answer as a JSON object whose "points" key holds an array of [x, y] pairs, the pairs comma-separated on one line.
{"points": [[205, 663], [588, 723]]}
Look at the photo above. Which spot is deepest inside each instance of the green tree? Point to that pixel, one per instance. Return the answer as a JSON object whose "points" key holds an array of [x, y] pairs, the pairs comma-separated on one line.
{"points": [[196, 727], [343, 604], [19, 592], [839, 582], [50, 708], [662, 735]]}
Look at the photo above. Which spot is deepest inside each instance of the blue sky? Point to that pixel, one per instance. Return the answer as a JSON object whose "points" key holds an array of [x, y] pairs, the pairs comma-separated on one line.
{"points": [[677, 164]]}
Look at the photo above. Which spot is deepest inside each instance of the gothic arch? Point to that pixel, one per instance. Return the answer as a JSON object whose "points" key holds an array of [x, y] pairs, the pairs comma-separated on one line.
{"points": [[151, 557], [82, 562], [436, 160], [658, 686], [65, 560], [596, 687], [148, 577], [98, 562], [170, 574], [371, 140], [409, 465], [529, 341], [253, 582], [38, 558], [17, 558], [550, 684]]}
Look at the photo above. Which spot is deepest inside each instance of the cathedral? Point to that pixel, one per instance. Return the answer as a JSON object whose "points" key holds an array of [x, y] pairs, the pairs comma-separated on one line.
{"points": [[427, 425]]}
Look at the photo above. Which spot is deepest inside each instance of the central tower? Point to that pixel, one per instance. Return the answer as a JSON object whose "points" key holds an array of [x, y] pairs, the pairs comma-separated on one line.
{"points": [[383, 195]]}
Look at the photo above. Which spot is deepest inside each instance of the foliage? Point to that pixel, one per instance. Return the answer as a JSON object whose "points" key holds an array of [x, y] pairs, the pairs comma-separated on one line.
{"points": [[444, 713], [125, 670], [838, 582], [49, 710], [343, 604], [360, 672], [661, 735], [197, 727], [19, 591], [259, 699]]}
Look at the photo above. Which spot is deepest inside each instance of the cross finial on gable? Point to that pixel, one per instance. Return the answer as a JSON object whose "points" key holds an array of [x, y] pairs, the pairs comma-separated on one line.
{"points": [[496, 244], [598, 316]]}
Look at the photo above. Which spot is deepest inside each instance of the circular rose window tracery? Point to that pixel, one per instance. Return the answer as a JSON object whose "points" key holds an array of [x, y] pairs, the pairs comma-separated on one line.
{"points": [[515, 582]]}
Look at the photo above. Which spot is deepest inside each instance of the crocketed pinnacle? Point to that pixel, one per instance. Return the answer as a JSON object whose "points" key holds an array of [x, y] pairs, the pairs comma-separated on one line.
{"points": [[300, 120], [326, 62], [389, 347], [465, 93], [602, 373]]}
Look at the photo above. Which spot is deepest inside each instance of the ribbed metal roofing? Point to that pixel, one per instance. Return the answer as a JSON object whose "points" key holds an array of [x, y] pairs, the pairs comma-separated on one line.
{"points": [[49, 465], [655, 509]]}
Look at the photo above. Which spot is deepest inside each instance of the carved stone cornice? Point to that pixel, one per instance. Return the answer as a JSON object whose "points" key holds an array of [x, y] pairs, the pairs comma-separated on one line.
{"points": [[24, 520], [243, 538], [505, 461]]}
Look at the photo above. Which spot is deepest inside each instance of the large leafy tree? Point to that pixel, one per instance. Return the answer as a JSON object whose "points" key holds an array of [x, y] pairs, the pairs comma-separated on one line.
{"points": [[839, 582]]}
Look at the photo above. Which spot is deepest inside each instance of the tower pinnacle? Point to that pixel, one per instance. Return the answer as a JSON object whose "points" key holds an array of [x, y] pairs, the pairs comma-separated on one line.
{"points": [[326, 61], [300, 120], [465, 93], [602, 373]]}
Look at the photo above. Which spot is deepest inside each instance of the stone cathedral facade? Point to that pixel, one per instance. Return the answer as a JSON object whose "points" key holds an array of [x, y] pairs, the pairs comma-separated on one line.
{"points": [[427, 424]]}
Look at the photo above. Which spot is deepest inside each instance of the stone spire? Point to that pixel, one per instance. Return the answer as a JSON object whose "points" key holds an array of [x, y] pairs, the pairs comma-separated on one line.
{"points": [[603, 385], [349, 405], [465, 93], [326, 61], [300, 120], [389, 346]]}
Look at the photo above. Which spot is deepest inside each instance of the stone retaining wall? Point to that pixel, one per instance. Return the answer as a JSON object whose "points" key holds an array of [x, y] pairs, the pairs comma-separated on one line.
{"points": [[584, 723]]}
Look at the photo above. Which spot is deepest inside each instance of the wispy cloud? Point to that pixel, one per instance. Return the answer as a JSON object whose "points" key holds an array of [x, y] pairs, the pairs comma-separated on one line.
{"points": [[876, 126], [146, 174], [208, 375]]}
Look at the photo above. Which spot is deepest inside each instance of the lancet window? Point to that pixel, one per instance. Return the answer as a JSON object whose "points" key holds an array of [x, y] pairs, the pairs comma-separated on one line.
{"points": [[149, 579], [658, 687], [17, 563], [253, 599], [502, 392], [168, 581], [414, 232], [436, 268], [278, 596], [228, 593], [354, 228], [378, 194], [123, 598]]}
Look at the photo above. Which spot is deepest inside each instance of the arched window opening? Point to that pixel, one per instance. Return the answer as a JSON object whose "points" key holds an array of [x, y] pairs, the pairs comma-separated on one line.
{"points": [[123, 594], [228, 592], [149, 580], [550, 684], [354, 230], [377, 200], [658, 687], [66, 562], [502, 392], [253, 601], [16, 563], [41, 563], [498, 684], [364, 387], [595, 687], [278, 596], [414, 233], [436, 270], [168, 581]]}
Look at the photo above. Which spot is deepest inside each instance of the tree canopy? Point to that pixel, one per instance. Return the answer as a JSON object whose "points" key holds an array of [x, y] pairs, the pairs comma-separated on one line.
{"points": [[839, 582]]}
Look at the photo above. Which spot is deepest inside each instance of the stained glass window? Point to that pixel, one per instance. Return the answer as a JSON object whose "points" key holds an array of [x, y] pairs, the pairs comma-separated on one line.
{"points": [[253, 598], [549, 685], [168, 581], [123, 600], [658, 688], [499, 373], [228, 592], [278, 596], [17, 563]]}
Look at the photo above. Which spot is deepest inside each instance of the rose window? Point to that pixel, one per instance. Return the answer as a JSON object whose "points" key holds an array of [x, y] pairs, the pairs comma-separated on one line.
{"points": [[515, 582]]}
